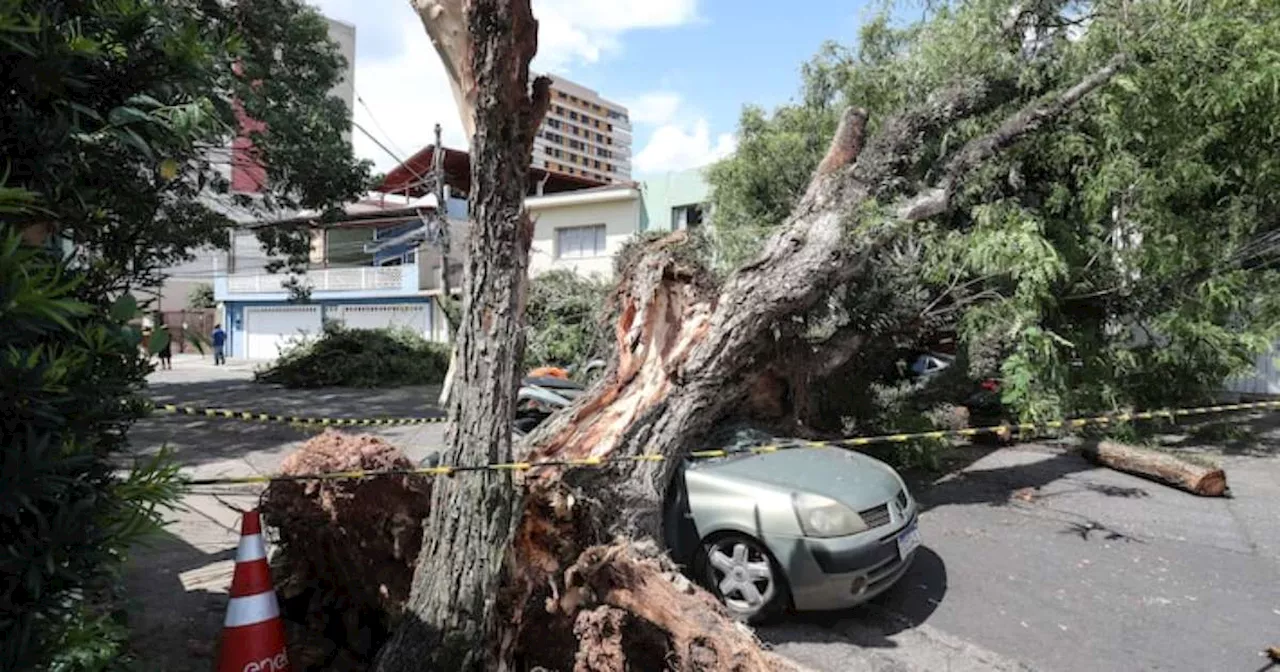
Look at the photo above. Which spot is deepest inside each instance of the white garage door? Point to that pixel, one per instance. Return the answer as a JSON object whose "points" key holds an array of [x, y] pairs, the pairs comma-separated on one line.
{"points": [[384, 315], [269, 328]]}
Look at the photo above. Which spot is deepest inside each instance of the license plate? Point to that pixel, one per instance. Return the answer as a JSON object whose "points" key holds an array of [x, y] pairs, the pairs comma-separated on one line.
{"points": [[908, 541]]}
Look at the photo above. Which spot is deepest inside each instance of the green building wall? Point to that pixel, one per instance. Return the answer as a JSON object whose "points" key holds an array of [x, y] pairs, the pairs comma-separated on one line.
{"points": [[660, 193]]}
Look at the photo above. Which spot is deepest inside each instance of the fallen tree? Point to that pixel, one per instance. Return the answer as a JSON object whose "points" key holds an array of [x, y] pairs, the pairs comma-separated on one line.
{"points": [[560, 568]]}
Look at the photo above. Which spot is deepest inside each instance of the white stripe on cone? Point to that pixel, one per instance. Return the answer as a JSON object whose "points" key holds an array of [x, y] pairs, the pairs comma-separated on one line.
{"points": [[251, 548], [252, 609]]}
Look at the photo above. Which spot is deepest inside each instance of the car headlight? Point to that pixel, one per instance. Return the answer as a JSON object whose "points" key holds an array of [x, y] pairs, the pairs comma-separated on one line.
{"points": [[823, 517]]}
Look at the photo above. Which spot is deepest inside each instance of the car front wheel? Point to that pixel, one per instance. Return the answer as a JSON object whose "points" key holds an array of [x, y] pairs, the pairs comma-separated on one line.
{"points": [[740, 572]]}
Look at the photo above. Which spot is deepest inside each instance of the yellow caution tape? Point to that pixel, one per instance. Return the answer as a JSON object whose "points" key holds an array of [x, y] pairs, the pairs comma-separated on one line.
{"points": [[293, 419], [999, 430]]}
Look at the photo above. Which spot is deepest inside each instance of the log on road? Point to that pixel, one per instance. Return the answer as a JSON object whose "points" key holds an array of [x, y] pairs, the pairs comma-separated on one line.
{"points": [[1200, 479]]}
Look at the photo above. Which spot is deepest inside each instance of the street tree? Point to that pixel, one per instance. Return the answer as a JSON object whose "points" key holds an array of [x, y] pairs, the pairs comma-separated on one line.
{"points": [[129, 146], [114, 121], [561, 567]]}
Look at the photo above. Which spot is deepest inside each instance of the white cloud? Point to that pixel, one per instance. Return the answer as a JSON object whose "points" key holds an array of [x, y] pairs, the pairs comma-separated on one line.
{"points": [[677, 146], [658, 107], [407, 95], [400, 78], [582, 30]]}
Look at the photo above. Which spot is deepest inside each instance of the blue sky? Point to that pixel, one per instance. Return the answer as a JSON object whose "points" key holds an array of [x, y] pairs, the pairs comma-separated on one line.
{"points": [[684, 68]]}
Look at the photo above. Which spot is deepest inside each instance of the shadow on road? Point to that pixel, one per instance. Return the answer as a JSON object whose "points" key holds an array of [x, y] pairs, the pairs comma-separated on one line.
{"points": [[245, 395], [996, 485], [199, 440], [1245, 435], [175, 626]]}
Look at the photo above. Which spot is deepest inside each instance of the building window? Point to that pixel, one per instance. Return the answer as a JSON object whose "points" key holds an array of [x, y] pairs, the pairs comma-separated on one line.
{"points": [[559, 109], [574, 129], [686, 216], [608, 168], [553, 123], [560, 94], [596, 164], [599, 137], [580, 242], [573, 116]]}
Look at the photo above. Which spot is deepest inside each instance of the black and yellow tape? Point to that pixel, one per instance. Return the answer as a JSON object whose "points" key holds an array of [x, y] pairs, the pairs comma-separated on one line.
{"points": [[1025, 430], [294, 419]]}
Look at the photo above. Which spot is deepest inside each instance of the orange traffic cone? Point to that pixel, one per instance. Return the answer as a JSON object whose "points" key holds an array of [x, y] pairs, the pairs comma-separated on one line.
{"points": [[252, 634]]}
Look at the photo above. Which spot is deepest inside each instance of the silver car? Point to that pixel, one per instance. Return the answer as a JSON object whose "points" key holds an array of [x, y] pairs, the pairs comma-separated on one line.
{"points": [[806, 528]]}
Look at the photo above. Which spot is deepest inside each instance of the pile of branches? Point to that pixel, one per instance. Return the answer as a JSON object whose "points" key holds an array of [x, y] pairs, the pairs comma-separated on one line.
{"points": [[345, 357]]}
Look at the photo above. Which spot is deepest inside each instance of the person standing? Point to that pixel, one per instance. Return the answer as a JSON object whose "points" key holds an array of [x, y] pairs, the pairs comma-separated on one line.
{"points": [[219, 343], [166, 352]]}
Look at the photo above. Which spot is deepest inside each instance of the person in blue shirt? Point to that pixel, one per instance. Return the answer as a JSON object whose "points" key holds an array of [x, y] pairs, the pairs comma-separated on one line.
{"points": [[219, 342]]}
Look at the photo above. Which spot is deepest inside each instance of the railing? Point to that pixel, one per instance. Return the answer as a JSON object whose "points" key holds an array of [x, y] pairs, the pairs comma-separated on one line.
{"points": [[323, 280]]}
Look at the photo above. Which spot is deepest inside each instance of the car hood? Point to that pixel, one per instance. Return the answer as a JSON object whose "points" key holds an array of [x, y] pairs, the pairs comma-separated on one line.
{"points": [[853, 479]]}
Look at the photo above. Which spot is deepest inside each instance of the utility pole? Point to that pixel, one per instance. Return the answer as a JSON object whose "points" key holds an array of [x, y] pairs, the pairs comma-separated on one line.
{"points": [[441, 237]]}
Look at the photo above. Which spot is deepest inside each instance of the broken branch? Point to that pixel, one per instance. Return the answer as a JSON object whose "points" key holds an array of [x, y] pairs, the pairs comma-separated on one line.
{"points": [[1199, 479], [1029, 119]]}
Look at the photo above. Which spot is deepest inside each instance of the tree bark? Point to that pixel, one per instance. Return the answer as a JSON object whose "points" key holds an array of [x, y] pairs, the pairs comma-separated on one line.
{"points": [[451, 621], [1207, 481], [689, 352]]}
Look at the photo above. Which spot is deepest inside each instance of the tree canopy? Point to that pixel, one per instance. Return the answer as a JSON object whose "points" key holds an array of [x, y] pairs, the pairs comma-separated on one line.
{"points": [[115, 125], [1125, 257], [119, 118]]}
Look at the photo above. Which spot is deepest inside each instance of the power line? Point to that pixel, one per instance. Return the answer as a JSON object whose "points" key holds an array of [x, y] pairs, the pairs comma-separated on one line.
{"points": [[384, 148], [374, 119]]}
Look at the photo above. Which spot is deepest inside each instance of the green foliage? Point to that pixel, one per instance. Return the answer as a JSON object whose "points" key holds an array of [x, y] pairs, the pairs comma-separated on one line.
{"points": [[201, 297], [114, 118], [342, 357], [1125, 257], [564, 323], [116, 115], [70, 375]]}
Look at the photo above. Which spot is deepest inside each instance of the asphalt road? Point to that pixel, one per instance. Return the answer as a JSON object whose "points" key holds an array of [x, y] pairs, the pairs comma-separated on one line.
{"points": [[1034, 559], [1089, 570]]}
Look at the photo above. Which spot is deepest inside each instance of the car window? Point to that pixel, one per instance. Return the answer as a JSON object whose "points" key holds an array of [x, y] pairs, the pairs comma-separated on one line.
{"points": [[738, 437]]}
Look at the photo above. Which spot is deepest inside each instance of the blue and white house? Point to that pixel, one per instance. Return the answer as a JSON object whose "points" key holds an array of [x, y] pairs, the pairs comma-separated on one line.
{"points": [[365, 272]]}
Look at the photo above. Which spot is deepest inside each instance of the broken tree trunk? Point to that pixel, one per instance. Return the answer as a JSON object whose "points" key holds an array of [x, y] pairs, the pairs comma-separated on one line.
{"points": [[1200, 479], [583, 569]]}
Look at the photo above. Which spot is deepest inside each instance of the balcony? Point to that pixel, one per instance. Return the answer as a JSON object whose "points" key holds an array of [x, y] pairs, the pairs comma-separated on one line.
{"points": [[372, 281]]}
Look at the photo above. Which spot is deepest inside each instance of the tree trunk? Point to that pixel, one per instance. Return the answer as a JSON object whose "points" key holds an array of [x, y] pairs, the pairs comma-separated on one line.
{"points": [[584, 583], [451, 607], [1208, 481]]}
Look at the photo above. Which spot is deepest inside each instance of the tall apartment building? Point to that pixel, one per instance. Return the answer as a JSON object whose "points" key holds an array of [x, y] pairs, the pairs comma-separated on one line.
{"points": [[584, 135]]}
